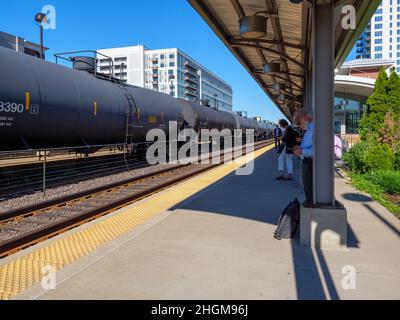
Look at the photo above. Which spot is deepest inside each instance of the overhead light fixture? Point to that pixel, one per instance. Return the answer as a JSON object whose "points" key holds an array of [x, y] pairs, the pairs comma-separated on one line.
{"points": [[253, 27], [279, 86], [272, 67], [308, 3]]}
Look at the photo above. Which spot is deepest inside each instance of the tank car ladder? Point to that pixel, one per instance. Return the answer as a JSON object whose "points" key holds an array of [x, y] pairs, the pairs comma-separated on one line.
{"points": [[130, 113]]}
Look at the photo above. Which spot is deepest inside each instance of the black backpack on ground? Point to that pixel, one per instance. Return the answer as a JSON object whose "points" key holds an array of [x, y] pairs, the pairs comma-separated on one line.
{"points": [[288, 221]]}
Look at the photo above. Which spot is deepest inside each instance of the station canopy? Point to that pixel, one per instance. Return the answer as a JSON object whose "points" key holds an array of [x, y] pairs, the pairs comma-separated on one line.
{"points": [[272, 40]]}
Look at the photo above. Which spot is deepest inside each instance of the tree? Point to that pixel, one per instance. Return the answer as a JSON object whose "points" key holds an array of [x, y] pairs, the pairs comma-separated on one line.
{"points": [[393, 92], [377, 107]]}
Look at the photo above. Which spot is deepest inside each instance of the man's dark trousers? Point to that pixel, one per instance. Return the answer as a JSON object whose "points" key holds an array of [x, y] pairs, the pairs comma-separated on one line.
{"points": [[307, 170], [277, 142]]}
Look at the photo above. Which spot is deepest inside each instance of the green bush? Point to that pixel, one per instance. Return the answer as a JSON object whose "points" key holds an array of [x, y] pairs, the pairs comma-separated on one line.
{"points": [[370, 155], [355, 157], [396, 163], [387, 180], [378, 157]]}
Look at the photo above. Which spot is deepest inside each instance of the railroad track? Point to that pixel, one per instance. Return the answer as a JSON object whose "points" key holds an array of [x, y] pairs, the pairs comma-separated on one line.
{"points": [[30, 225], [29, 179]]}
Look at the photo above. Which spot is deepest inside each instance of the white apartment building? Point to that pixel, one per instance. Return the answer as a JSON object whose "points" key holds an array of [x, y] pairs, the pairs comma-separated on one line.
{"points": [[128, 63], [169, 71], [381, 39]]}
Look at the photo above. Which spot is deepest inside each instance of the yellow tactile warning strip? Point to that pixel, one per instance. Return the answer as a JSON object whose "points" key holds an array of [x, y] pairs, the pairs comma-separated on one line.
{"points": [[25, 271]]}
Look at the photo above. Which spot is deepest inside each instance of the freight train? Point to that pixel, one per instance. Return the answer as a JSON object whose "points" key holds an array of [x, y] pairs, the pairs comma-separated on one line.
{"points": [[44, 105]]}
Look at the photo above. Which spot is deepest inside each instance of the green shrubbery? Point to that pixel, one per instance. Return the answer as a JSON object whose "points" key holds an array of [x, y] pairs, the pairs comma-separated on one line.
{"points": [[375, 161], [396, 162], [378, 157], [368, 155], [387, 180], [355, 157]]}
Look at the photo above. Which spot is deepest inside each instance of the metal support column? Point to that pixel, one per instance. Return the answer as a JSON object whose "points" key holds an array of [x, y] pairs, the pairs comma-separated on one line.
{"points": [[309, 92], [44, 172], [323, 92]]}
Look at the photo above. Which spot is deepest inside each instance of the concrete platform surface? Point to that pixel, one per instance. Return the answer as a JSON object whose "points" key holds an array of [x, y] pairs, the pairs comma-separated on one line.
{"points": [[219, 245]]}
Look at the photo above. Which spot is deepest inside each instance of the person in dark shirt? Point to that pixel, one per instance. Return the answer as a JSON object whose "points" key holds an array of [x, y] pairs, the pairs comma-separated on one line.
{"points": [[289, 140], [277, 136]]}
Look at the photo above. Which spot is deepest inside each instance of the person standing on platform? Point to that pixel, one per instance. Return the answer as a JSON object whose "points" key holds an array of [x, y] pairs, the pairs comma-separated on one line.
{"points": [[338, 148], [289, 141], [305, 151], [277, 136]]}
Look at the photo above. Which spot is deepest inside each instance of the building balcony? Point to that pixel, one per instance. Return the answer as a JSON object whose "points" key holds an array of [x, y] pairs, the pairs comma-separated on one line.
{"points": [[191, 90], [191, 86], [154, 67], [191, 80], [190, 72], [155, 75], [188, 66], [190, 94]]}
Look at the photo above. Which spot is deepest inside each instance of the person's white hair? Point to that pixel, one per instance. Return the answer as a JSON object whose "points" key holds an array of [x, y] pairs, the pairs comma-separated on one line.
{"points": [[300, 113]]}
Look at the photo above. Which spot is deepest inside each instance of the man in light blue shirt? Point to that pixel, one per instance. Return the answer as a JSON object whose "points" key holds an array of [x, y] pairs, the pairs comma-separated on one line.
{"points": [[305, 151], [307, 142]]}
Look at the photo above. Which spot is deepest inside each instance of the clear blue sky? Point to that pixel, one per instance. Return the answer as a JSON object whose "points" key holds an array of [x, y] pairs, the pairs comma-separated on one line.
{"points": [[90, 24]]}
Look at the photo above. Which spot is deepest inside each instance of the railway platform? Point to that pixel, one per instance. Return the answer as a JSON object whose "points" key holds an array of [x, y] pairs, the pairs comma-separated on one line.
{"points": [[211, 237]]}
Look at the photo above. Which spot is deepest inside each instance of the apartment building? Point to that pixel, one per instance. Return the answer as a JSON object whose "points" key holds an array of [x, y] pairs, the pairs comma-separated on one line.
{"points": [[169, 71], [381, 38]]}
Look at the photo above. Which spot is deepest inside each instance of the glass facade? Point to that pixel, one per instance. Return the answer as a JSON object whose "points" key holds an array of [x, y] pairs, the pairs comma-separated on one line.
{"points": [[172, 72], [348, 110]]}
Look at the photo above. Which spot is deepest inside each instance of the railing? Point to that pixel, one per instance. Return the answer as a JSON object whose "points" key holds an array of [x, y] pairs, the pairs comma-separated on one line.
{"points": [[350, 139]]}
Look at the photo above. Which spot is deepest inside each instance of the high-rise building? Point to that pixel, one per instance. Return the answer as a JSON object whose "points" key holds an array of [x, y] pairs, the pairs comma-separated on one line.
{"points": [[19, 44], [166, 70], [381, 38]]}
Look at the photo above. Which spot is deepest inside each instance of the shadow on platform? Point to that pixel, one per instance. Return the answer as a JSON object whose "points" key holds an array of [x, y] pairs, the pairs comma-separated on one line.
{"points": [[261, 198]]}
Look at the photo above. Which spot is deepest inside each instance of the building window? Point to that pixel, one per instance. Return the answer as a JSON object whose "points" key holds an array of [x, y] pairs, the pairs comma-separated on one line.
{"points": [[378, 33], [172, 64], [378, 41], [378, 56], [378, 26], [378, 48], [378, 19]]}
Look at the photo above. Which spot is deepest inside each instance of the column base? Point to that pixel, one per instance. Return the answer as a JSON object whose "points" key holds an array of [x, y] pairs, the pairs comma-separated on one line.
{"points": [[324, 228]]}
